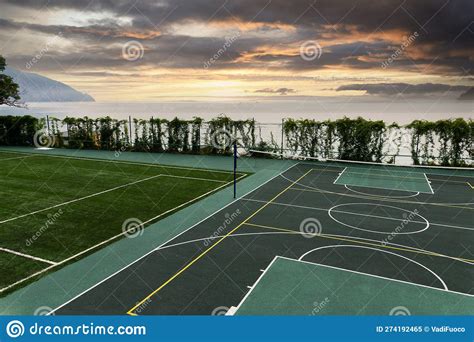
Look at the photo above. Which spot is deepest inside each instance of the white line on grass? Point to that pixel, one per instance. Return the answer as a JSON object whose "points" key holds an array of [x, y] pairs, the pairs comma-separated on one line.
{"points": [[79, 199], [169, 240], [12, 158], [6, 250], [377, 276], [113, 238], [123, 162]]}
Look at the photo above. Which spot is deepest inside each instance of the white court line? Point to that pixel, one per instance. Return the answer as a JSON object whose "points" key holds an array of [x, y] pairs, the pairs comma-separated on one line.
{"points": [[169, 240], [255, 284], [377, 276], [314, 189], [382, 196], [429, 183], [6, 250], [340, 174], [379, 250], [111, 239], [287, 232], [357, 214], [78, 199], [121, 162], [454, 168]]}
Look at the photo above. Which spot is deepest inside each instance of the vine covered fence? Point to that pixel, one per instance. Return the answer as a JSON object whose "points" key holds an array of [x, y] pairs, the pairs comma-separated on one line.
{"points": [[442, 142]]}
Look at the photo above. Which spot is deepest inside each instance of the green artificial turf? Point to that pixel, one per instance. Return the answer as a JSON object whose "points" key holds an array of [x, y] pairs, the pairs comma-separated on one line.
{"points": [[34, 183]]}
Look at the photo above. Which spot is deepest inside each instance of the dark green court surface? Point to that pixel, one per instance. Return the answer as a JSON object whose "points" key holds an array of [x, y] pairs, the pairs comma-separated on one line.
{"points": [[292, 287], [423, 239]]}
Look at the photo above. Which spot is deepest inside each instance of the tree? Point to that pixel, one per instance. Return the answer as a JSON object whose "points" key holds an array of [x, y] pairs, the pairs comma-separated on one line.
{"points": [[8, 89]]}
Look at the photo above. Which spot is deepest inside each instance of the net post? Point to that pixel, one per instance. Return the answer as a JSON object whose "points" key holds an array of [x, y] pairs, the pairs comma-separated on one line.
{"points": [[235, 168]]}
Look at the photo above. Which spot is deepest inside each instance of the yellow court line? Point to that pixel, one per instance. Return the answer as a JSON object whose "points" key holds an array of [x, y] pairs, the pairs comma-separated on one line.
{"points": [[131, 311], [383, 199], [471, 186], [332, 237]]}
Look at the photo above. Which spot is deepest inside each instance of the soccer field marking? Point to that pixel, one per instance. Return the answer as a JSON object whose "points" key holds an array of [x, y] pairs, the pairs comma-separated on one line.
{"points": [[11, 251], [377, 276], [13, 158], [170, 239], [78, 199], [111, 239], [152, 164], [106, 191], [379, 250], [360, 240], [131, 311], [194, 178], [429, 183]]}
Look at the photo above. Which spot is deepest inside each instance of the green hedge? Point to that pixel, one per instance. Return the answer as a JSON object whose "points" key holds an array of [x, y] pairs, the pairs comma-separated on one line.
{"points": [[442, 142]]}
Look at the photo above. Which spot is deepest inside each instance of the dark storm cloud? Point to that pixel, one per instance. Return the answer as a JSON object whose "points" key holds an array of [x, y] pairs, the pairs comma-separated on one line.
{"points": [[389, 89], [445, 44]]}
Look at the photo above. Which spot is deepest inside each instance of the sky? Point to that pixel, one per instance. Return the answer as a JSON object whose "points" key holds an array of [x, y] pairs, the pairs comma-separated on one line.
{"points": [[174, 49]]}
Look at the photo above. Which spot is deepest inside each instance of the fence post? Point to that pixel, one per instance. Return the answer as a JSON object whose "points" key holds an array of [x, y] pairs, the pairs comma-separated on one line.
{"points": [[47, 123]]}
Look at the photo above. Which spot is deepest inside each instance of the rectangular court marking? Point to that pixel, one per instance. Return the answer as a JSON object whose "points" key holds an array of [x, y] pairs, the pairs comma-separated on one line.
{"points": [[131, 311], [343, 292], [52, 264], [385, 179]]}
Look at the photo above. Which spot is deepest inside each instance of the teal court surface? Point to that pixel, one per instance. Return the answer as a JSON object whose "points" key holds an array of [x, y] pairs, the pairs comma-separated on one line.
{"points": [[315, 239], [384, 178]]}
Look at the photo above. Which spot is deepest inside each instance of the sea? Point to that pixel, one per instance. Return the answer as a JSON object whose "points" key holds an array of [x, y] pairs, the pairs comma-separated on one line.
{"points": [[262, 110]]}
